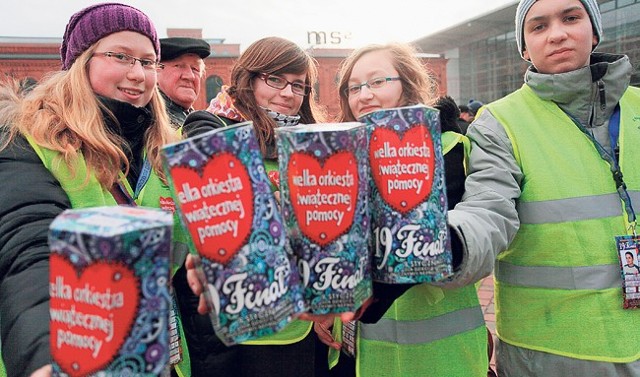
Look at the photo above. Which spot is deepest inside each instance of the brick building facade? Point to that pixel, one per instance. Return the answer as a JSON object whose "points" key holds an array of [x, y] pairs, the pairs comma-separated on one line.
{"points": [[33, 58]]}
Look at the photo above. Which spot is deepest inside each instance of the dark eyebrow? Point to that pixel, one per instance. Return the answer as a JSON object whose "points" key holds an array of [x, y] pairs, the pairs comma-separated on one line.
{"points": [[563, 12]]}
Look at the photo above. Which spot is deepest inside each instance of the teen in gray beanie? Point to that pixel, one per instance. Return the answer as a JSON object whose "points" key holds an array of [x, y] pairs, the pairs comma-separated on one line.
{"points": [[543, 159], [91, 24], [591, 6]]}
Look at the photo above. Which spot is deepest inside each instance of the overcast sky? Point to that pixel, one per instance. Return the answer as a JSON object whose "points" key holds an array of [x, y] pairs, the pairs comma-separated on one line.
{"points": [[353, 22]]}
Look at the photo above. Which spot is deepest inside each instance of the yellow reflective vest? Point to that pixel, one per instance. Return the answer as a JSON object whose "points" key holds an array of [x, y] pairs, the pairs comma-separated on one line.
{"points": [[3, 373], [428, 331], [558, 285], [91, 194]]}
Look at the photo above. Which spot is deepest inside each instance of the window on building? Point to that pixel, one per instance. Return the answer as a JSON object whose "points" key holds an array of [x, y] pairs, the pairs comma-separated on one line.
{"points": [[316, 86], [27, 83], [214, 85]]}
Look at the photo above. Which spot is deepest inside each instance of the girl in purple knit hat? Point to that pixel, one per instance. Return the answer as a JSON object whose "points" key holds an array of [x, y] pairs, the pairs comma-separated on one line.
{"points": [[99, 121]]}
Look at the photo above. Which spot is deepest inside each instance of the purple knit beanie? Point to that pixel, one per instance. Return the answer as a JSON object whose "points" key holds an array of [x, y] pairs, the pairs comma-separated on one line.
{"points": [[93, 23]]}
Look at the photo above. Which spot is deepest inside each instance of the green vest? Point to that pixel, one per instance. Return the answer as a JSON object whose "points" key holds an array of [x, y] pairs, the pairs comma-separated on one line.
{"points": [[558, 285], [427, 331], [91, 194], [3, 373]]}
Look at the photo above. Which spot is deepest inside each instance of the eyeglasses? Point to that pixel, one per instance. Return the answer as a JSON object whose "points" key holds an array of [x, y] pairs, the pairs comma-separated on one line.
{"points": [[375, 83], [280, 83], [126, 59]]}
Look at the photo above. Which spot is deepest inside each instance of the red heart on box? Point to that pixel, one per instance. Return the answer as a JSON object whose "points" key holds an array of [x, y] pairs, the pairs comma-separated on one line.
{"points": [[323, 222], [402, 167], [217, 206], [85, 292]]}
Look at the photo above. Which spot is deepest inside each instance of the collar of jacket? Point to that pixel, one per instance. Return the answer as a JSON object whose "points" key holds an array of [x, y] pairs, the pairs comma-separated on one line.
{"points": [[583, 92], [176, 111], [129, 123]]}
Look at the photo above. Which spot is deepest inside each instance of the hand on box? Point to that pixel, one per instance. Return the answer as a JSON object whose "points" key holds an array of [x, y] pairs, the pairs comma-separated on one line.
{"points": [[322, 324], [195, 284], [322, 327]]}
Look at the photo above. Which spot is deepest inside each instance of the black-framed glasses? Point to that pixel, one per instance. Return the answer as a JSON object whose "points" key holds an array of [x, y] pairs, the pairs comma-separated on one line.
{"points": [[374, 83], [126, 59], [279, 82]]}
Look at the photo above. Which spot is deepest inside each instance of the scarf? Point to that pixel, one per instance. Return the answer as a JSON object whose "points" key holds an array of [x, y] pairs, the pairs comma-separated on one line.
{"points": [[281, 119], [223, 106]]}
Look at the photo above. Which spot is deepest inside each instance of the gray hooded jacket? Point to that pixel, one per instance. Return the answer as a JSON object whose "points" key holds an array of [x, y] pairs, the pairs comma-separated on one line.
{"points": [[487, 220]]}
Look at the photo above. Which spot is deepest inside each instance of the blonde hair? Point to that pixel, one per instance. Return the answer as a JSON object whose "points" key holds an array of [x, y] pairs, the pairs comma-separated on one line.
{"points": [[418, 86], [63, 114]]}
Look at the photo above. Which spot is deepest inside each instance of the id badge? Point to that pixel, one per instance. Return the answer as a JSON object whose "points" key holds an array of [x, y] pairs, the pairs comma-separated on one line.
{"points": [[175, 348], [349, 330], [629, 254]]}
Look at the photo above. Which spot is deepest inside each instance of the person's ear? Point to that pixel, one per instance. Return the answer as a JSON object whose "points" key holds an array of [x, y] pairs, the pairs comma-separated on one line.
{"points": [[595, 41], [525, 55]]}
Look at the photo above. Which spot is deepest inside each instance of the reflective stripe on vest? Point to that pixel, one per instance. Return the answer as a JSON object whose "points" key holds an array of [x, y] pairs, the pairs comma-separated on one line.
{"points": [[587, 277], [559, 280], [426, 330], [574, 209]]}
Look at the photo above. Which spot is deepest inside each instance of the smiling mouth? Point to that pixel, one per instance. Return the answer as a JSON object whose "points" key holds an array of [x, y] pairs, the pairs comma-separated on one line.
{"points": [[131, 92], [281, 106], [368, 109]]}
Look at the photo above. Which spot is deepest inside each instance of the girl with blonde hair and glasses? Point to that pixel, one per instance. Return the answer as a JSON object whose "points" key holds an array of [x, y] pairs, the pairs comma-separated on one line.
{"points": [[83, 137], [410, 330]]}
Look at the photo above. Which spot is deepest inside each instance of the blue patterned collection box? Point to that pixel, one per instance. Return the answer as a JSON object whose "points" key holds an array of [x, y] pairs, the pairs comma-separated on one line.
{"points": [[109, 291]]}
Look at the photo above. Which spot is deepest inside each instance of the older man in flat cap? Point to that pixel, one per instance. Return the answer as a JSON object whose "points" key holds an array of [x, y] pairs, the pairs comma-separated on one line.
{"points": [[180, 80]]}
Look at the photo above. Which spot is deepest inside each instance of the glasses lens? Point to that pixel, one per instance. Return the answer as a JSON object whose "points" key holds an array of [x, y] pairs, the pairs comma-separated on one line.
{"points": [[376, 83], [147, 64], [300, 89], [275, 81], [352, 90], [120, 57]]}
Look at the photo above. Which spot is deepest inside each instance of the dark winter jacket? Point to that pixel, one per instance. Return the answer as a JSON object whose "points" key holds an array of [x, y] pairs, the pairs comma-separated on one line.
{"points": [[177, 113], [30, 198], [207, 353]]}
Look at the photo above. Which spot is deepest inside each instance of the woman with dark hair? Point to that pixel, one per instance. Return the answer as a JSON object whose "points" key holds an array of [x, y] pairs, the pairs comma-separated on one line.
{"points": [[272, 86]]}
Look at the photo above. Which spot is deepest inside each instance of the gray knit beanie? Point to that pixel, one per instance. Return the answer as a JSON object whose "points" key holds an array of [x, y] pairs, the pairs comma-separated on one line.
{"points": [[591, 7], [93, 23]]}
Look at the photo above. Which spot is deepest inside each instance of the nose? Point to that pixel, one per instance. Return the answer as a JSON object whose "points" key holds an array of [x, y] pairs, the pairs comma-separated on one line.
{"points": [[365, 92], [187, 73], [136, 72], [557, 33], [286, 91]]}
